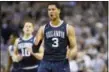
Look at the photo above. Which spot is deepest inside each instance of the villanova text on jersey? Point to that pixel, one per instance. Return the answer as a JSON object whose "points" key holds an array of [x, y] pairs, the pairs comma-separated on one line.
{"points": [[55, 33], [28, 59], [55, 42]]}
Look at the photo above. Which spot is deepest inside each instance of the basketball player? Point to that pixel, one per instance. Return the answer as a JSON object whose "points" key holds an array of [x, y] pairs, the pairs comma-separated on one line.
{"points": [[11, 62], [56, 36], [28, 63]]}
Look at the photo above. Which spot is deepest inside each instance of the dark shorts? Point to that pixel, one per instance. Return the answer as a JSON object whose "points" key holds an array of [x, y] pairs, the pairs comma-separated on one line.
{"points": [[54, 66]]}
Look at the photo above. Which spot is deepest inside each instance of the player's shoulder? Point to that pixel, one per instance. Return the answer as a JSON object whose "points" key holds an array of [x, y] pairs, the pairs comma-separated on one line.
{"points": [[70, 27], [43, 26], [17, 40]]}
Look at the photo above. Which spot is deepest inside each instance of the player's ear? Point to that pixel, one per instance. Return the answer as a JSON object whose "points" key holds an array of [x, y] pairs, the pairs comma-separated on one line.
{"points": [[59, 11], [23, 29]]}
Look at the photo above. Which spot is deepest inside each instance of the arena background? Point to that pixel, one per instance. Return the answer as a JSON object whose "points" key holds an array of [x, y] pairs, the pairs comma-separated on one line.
{"points": [[90, 20]]}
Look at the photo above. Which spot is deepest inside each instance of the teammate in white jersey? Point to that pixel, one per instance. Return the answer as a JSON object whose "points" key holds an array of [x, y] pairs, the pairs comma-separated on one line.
{"points": [[11, 60]]}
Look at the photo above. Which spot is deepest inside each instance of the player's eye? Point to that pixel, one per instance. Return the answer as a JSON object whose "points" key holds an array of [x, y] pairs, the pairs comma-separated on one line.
{"points": [[26, 26], [49, 9], [53, 9]]}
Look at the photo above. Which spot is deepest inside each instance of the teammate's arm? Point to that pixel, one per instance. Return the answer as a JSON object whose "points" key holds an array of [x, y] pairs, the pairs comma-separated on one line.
{"points": [[15, 46], [72, 51], [16, 57]]}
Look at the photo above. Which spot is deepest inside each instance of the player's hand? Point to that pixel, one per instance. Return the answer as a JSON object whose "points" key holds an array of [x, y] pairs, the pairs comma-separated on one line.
{"points": [[68, 54], [68, 57], [30, 50], [20, 57], [17, 58]]}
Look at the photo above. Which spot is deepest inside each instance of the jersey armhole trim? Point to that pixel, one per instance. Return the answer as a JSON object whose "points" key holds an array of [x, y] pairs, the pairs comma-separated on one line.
{"points": [[43, 29], [67, 29]]}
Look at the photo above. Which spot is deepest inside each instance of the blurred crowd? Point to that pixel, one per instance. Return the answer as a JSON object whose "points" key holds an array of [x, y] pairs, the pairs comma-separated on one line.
{"points": [[90, 20]]}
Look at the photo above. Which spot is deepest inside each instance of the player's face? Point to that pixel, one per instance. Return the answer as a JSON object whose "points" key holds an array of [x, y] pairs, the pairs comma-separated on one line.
{"points": [[53, 12], [28, 28]]}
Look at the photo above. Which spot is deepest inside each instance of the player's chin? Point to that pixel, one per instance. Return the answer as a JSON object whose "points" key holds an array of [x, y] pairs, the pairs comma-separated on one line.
{"points": [[28, 33], [52, 18]]}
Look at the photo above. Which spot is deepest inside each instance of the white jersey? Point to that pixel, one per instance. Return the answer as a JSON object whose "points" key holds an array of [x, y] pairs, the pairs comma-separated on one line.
{"points": [[11, 50]]}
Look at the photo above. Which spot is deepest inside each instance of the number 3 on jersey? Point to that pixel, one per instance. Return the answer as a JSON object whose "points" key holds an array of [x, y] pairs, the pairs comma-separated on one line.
{"points": [[55, 42]]}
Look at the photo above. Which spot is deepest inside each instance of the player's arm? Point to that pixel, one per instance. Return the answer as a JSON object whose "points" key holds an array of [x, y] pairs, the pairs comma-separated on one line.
{"points": [[15, 46], [40, 53], [72, 51], [38, 39], [38, 49], [9, 63], [16, 57]]}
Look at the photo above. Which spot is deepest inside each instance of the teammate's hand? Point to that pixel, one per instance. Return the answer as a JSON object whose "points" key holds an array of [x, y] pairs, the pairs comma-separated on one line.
{"points": [[17, 58], [20, 57]]}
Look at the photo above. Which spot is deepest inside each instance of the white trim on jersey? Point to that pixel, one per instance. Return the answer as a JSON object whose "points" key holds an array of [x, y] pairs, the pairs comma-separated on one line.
{"points": [[67, 29], [44, 28], [60, 23], [34, 40], [27, 38], [30, 67]]}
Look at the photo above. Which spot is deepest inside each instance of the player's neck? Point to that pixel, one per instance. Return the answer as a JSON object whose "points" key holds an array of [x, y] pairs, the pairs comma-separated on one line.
{"points": [[56, 22], [27, 36]]}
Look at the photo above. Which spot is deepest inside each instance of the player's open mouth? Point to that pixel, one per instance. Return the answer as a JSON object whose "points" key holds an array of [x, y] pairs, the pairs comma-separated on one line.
{"points": [[27, 30], [51, 15]]}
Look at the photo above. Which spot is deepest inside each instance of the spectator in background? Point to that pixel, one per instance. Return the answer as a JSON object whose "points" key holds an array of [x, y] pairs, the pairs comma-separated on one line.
{"points": [[84, 62], [98, 64], [5, 31], [2, 68]]}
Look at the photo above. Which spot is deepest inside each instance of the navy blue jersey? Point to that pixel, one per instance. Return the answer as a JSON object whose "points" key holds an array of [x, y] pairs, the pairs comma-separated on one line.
{"points": [[55, 42], [28, 59]]}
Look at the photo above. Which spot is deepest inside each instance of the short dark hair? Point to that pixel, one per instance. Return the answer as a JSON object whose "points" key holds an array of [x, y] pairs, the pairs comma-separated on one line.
{"points": [[54, 3]]}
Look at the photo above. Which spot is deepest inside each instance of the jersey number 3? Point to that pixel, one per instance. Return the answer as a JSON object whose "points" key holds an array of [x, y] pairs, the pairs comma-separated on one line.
{"points": [[55, 42]]}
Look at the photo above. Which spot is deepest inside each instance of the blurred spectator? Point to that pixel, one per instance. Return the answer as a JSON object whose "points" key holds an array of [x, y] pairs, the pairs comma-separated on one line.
{"points": [[83, 61], [98, 64], [2, 68]]}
